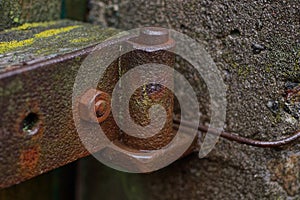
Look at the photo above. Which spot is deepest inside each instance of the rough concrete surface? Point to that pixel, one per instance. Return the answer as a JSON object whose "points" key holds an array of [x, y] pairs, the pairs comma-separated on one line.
{"points": [[16, 12], [256, 45]]}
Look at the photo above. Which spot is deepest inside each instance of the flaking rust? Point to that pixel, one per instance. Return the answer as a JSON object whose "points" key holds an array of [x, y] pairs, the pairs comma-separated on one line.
{"points": [[151, 46], [37, 132], [37, 128], [29, 159]]}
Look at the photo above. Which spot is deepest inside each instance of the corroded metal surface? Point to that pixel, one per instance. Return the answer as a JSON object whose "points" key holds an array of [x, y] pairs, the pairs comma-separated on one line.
{"points": [[45, 91], [94, 106], [37, 128], [37, 131], [150, 47], [147, 96], [256, 46]]}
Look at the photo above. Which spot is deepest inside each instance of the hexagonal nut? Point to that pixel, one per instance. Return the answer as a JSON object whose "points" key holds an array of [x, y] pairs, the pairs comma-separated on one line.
{"points": [[94, 106]]}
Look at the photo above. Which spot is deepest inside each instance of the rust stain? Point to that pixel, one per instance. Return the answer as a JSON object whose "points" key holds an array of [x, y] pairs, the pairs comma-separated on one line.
{"points": [[151, 46], [29, 159]]}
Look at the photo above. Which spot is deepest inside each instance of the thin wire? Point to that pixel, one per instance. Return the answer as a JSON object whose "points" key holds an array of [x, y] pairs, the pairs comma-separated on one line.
{"points": [[240, 139]]}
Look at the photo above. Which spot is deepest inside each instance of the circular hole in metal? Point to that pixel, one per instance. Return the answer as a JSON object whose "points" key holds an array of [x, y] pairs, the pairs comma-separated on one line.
{"points": [[30, 124]]}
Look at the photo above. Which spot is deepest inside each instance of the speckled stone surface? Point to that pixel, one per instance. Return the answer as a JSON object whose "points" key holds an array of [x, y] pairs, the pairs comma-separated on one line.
{"points": [[256, 46], [16, 12]]}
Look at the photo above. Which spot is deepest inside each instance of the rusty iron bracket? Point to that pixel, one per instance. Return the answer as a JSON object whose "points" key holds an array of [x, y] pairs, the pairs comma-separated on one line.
{"points": [[37, 128], [38, 66]]}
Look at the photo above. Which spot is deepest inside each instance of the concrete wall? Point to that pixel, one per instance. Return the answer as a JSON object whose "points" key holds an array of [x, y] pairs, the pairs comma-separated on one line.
{"points": [[256, 46]]}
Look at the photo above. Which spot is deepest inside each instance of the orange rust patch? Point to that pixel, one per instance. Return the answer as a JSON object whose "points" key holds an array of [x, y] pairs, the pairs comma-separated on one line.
{"points": [[29, 159]]}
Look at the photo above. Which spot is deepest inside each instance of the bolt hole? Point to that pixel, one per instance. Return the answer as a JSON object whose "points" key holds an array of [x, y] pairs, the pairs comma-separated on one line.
{"points": [[235, 33], [182, 26], [30, 124], [101, 108]]}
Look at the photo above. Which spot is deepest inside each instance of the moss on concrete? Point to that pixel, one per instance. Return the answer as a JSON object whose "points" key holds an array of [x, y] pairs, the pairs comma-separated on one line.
{"points": [[15, 12]]}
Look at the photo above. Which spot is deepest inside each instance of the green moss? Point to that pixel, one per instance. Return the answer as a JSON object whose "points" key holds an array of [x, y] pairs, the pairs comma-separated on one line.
{"points": [[285, 59], [79, 40], [297, 63], [243, 71], [234, 65], [16, 20], [16, 12], [268, 68]]}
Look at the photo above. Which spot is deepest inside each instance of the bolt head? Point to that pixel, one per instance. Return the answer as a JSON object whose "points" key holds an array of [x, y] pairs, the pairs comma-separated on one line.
{"points": [[153, 36]]}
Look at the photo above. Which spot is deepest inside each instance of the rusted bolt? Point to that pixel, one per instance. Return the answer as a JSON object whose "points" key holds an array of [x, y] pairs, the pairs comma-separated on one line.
{"points": [[153, 36], [152, 39], [153, 45], [94, 106]]}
